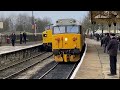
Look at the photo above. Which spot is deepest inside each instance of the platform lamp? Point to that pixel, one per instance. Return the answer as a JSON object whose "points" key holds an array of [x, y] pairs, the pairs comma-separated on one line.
{"points": [[114, 15], [102, 27], [109, 25], [114, 27]]}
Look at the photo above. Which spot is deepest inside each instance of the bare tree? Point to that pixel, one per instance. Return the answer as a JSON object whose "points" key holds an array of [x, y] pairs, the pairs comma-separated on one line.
{"points": [[42, 23], [87, 25], [12, 22], [5, 24], [47, 20], [23, 22]]}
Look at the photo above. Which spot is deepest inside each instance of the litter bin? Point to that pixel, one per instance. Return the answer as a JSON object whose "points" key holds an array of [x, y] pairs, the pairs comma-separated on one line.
{"points": [[8, 40]]}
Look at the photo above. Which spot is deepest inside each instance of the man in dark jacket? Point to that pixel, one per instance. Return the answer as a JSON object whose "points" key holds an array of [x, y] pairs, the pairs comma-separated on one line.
{"points": [[13, 38], [118, 38], [97, 36], [24, 36], [20, 38], [102, 41], [112, 48], [106, 41]]}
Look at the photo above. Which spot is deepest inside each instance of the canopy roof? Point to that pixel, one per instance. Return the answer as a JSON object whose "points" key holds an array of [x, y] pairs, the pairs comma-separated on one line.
{"points": [[105, 17]]}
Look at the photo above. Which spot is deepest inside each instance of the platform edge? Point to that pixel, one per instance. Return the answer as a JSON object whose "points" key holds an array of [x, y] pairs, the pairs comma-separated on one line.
{"points": [[78, 66]]}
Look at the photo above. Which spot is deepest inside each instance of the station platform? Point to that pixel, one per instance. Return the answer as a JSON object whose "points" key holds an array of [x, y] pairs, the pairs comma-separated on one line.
{"points": [[95, 64], [9, 48]]}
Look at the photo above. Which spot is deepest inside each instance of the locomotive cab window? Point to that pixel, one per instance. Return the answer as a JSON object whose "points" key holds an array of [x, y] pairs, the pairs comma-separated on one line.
{"points": [[73, 29], [59, 29]]}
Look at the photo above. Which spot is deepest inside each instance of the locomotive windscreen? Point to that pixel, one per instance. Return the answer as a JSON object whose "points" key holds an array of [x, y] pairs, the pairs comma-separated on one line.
{"points": [[73, 29], [66, 29], [59, 29]]}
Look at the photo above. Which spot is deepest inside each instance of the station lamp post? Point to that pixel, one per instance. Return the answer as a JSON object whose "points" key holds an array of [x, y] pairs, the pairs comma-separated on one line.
{"points": [[114, 27], [102, 27], [109, 27]]}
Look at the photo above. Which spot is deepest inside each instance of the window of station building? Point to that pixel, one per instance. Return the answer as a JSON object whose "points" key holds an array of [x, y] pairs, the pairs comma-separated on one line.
{"points": [[72, 29], [59, 29]]}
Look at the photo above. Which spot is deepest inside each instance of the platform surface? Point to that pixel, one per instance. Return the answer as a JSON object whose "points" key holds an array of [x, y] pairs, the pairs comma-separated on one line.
{"points": [[9, 48], [95, 64]]}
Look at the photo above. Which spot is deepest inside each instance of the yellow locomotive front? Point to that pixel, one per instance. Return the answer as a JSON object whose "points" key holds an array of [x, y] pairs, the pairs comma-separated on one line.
{"points": [[47, 38], [67, 40]]}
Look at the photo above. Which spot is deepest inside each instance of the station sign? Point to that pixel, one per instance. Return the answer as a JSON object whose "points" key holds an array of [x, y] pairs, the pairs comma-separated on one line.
{"points": [[1, 25]]}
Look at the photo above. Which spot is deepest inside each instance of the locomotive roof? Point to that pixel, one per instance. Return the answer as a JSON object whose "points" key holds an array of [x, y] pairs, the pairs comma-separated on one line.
{"points": [[67, 22]]}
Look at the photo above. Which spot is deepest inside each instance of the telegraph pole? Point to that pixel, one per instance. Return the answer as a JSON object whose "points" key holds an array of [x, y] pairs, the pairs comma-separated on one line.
{"points": [[35, 29], [33, 26]]}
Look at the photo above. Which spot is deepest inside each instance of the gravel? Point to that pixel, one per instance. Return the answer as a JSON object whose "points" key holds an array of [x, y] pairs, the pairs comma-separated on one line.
{"points": [[21, 66]]}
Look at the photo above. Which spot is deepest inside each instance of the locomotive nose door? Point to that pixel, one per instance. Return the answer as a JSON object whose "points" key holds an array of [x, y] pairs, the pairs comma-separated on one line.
{"points": [[65, 42]]}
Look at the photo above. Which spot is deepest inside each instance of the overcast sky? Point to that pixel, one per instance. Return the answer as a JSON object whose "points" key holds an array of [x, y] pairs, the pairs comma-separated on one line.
{"points": [[54, 15]]}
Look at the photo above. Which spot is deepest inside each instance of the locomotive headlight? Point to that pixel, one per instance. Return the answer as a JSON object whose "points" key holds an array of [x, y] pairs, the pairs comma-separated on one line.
{"points": [[66, 39], [45, 35]]}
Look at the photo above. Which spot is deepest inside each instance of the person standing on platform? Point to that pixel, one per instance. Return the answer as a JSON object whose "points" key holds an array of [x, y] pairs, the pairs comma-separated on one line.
{"points": [[112, 49], [102, 41], [13, 38], [119, 43], [24, 37], [21, 38], [106, 41], [97, 36]]}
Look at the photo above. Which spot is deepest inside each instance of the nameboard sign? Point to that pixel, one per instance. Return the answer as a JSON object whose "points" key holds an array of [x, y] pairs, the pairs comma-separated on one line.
{"points": [[1, 25]]}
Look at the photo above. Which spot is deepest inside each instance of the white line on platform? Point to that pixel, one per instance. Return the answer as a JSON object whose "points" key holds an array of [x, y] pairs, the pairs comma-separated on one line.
{"points": [[78, 66]]}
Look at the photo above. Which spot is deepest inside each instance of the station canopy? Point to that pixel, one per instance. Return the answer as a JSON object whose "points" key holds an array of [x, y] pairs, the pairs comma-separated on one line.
{"points": [[104, 17]]}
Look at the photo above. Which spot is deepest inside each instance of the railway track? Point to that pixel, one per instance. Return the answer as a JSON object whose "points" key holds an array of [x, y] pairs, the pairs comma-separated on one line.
{"points": [[1, 69], [14, 70], [56, 71]]}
